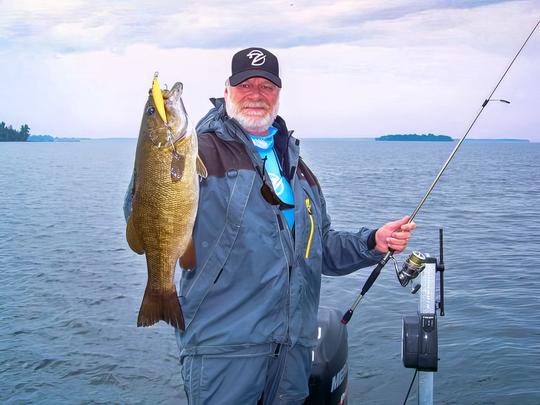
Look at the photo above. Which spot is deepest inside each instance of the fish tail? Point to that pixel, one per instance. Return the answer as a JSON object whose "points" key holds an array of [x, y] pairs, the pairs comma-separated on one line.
{"points": [[158, 306]]}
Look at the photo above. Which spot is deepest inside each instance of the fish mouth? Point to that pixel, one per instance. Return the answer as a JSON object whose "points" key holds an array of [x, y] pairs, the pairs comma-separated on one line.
{"points": [[175, 92], [176, 112]]}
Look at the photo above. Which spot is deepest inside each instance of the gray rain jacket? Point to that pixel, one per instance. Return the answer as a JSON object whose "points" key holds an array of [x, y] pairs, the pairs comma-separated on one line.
{"points": [[255, 282]]}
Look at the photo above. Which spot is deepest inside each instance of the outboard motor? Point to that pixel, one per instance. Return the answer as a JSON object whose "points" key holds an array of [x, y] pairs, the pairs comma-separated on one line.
{"points": [[330, 369]]}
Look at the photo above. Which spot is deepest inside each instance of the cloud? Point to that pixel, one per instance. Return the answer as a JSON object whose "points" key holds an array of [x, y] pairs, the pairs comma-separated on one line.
{"points": [[83, 69], [78, 26]]}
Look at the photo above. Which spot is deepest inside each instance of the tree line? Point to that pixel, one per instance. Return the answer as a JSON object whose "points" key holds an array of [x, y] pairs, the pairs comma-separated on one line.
{"points": [[8, 134]]}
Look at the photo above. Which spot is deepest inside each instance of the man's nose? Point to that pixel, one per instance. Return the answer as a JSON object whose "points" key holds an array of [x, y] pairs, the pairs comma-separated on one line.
{"points": [[255, 93]]}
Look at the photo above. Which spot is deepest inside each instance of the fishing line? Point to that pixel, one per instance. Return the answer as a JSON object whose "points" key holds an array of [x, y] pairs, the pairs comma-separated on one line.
{"points": [[410, 386], [377, 270]]}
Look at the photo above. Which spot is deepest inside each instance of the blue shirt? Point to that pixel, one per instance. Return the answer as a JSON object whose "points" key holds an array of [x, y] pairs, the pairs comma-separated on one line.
{"points": [[265, 147]]}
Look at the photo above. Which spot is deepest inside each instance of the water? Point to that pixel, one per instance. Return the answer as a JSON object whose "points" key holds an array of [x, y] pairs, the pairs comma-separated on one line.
{"points": [[71, 288]]}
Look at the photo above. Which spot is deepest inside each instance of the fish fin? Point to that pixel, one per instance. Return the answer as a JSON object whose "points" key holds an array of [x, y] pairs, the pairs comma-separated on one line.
{"points": [[201, 168], [178, 163], [188, 260], [132, 237], [158, 306]]}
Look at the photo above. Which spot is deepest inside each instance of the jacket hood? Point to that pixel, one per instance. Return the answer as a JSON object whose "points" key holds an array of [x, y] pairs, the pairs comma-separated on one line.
{"points": [[213, 120]]}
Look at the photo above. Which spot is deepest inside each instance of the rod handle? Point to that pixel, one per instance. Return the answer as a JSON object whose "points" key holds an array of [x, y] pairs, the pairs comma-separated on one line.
{"points": [[376, 271], [347, 317]]}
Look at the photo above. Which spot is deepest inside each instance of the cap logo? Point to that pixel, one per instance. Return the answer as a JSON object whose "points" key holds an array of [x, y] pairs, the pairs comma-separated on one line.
{"points": [[258, 58]]}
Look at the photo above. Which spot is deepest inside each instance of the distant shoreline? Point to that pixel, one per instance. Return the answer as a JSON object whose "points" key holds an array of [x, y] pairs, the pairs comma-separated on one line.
{"points": [[501, 140], [467, 140], [48, 138]]}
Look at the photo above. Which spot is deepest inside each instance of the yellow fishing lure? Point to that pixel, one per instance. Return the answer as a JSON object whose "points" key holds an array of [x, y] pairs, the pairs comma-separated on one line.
{"points": [[158, 99]]}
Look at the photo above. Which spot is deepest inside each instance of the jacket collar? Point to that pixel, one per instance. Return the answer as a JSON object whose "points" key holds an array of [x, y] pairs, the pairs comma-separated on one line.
{"points": [[228, 129]]}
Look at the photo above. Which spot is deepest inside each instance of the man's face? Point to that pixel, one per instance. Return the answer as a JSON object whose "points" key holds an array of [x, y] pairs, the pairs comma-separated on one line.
{"points": [[253, 103]]}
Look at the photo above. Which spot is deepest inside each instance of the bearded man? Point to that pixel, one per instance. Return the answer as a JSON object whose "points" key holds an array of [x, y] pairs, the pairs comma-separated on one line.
{"points": [[262, 240]]}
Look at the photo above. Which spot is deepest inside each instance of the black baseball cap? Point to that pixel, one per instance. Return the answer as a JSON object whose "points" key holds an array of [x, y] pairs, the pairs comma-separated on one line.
{"points": [[254, 62]]}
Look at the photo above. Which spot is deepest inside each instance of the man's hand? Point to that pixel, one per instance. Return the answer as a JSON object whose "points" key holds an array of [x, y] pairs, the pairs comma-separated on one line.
{"points": [[394, 235]]}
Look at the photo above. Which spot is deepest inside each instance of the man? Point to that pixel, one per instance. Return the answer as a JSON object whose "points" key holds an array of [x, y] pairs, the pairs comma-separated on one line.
{"points": [[262, 240]]}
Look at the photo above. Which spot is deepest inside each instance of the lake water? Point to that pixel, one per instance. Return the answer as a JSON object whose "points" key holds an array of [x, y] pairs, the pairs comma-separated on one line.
{"points": [[70, 288]]}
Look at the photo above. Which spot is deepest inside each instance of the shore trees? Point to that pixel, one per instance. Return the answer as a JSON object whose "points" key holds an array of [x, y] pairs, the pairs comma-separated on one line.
{"points": [[8, 134]]}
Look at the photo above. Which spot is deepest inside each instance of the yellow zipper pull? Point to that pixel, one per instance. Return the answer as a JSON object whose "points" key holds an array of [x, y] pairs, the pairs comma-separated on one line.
{"points": [[308, 207]]}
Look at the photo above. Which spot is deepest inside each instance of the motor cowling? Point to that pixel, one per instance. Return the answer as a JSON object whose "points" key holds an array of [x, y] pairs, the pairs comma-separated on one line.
{"points": [[329, 372]]}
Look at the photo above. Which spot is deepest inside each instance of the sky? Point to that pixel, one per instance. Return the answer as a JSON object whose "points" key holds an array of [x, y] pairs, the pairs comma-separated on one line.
{"points": [[359, 68]]}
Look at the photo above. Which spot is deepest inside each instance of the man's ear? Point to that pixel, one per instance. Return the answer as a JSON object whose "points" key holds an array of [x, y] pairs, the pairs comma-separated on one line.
{"points": [[226, 92]]}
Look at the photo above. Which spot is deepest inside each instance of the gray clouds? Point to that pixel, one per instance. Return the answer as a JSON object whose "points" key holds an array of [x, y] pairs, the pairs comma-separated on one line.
{"points": [[350, 68], [76, 26]]}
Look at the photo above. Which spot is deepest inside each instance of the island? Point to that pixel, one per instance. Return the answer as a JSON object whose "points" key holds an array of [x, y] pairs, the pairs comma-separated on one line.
{"points": [[8, 134], [415, 137]]}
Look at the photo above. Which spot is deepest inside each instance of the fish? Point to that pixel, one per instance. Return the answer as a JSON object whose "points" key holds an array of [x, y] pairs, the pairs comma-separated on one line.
{"points": [[167, 173]]}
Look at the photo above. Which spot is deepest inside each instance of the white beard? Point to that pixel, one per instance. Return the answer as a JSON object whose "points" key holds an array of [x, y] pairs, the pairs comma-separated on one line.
{"points": [[251, 122]]}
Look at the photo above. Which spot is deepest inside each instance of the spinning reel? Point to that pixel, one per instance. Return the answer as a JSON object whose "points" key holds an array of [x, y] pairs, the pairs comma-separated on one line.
{"points": [[412, 267]]}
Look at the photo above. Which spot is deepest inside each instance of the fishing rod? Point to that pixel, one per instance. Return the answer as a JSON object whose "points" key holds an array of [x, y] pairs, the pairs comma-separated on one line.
{"points": [[411, 267]]}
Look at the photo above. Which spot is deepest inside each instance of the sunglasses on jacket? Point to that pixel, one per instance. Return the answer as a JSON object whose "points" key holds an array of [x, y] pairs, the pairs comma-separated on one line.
{"points": [[268, 192]]}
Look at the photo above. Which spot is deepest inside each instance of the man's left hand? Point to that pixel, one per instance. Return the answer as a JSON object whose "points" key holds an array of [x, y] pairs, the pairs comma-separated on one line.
{"points": [[394, 235]]}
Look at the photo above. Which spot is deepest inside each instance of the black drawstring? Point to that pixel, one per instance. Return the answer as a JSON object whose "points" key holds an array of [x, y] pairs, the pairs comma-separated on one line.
{"points": [[264, 167]]}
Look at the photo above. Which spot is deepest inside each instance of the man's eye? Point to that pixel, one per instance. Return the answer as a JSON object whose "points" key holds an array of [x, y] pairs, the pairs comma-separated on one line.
{"points": [[150, 110]]}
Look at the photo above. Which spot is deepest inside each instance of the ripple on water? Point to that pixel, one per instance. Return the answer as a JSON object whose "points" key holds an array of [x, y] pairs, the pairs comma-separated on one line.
{"points": [[71, 288]]}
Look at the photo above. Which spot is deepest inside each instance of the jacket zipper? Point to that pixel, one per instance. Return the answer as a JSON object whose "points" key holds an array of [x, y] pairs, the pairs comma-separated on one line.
{"points": [[310, 212]]}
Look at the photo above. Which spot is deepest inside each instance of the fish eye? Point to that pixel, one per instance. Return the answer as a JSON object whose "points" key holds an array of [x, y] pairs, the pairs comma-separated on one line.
{"points": [[151, 110]]}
